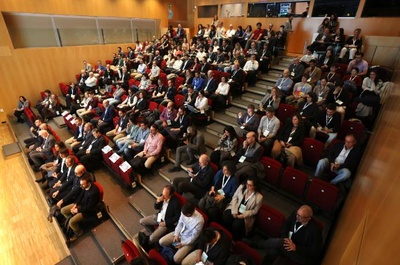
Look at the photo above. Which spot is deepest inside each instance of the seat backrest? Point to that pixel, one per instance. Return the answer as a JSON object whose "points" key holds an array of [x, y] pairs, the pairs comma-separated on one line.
{"points": [[181, 199], [352, 127], [294, 181], [273, 170], [153, 105], [222, 228], [285, 111], [214, 167], [241, 248], [178, 100], [269, 221], [205, 216], [130, 250], [322, 194], [314, 150], [101, 190]]}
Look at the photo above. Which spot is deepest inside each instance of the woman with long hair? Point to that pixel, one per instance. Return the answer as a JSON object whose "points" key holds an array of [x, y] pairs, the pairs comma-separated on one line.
{"points": [[19, 110], [227, 146]]}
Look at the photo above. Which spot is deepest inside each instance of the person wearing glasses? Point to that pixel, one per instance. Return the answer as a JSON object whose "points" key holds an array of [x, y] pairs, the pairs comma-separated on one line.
{"points": [[301, 239]]}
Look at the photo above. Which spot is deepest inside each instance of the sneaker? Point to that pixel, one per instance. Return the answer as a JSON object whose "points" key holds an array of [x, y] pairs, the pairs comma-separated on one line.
{"points": [[175, 169]]}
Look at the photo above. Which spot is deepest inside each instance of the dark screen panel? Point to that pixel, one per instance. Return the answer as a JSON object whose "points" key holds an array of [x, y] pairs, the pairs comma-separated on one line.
{"points": [[373, 8], [207, 11], [341, 8]]}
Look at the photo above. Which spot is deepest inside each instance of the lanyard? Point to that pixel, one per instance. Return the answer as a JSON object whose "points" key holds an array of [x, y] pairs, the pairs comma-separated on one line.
{"points": [[246, 200], [306, 105], [312, 73], [328, 120], [225, 182], [282, 81], [249, 118], [296, 229]]}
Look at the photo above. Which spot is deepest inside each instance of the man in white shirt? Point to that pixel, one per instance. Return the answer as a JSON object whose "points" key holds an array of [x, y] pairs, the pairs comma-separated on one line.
{"points": [[90, 82], [186, 233]]}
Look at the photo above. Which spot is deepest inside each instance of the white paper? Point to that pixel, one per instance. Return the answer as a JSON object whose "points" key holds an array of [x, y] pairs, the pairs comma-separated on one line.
{"points": [[114, 157], [125, 166]]}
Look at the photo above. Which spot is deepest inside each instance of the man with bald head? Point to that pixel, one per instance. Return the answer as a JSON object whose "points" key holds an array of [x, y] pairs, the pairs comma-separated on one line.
{"points": [[284, 84], [248, 158], [199, 180], [301, 239]]}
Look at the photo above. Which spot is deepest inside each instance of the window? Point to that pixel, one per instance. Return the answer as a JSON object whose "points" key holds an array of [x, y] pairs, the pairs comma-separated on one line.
{"points": [[30, 30], [40, 30], [232, 10], [373, 8], [207, 11], [277, 9], [341, 8]]}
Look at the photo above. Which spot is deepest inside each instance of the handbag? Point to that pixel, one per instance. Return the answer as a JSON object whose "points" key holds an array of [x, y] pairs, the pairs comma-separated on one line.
{"points": [[283, 158]]}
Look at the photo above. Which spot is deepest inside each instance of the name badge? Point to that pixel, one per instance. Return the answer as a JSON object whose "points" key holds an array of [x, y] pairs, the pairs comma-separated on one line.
{"points": [[142, 141], [119, 129], [280, 87], [96, 91], [290, 234], [266, 132], [292, 73], [309, 79], [242, 208], [204, 257], [242, 127], [221, 192], [242, 159], [168, 122], [77, 101], [339, 102], [320, 98]]}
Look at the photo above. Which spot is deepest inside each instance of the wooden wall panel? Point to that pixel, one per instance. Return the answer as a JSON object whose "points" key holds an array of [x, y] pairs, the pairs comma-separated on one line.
{"points": [[29, 71]]}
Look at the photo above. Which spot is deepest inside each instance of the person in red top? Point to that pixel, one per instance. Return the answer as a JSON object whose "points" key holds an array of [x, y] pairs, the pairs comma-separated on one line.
{"points": [[256, 36]]}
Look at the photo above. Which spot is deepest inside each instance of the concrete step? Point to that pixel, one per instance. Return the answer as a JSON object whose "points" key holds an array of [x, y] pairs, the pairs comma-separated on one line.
{"points": [[233, 111], [211, 139], [253, 98], [170, 176], [109, 238], [225, 119], [275, 73], [258, 89], [268, 78], [143, 202], [79, 251], [241, 103], [280, 67], [215, 129], [154, 183]]}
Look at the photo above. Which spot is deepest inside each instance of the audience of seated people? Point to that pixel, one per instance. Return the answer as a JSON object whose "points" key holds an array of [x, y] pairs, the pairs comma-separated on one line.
{"points": [[320, 99]]}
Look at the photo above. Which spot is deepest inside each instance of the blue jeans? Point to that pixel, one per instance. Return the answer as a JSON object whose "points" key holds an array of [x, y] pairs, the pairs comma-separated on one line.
{"points": [[341, 174]]}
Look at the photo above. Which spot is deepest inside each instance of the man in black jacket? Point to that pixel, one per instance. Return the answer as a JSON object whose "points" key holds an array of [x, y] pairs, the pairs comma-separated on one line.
{"points": [[342, 160], [301, 239], [91, 155], [167, 217], [199, 180], [84, 206], [214, 248]]}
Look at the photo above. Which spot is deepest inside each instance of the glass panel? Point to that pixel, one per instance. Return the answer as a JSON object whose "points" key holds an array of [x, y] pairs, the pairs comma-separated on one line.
{"points": [[27, 31], [115, 30], [341, 8], [207, 11], [373, 8], [144, 29], [75, 31], [232, 10]]}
